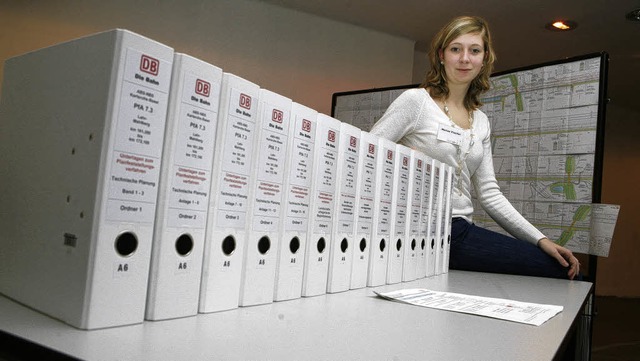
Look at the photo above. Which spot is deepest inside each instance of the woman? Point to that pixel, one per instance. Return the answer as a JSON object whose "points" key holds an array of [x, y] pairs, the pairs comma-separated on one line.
{"points": [[442, 119]]}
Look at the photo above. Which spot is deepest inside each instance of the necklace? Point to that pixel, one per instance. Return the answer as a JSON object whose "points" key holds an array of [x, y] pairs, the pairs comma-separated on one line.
{"points": [[461, 157]]}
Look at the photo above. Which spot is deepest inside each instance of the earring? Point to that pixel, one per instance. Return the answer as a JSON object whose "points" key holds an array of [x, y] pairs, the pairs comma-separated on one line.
{"points": [[441, 62]]}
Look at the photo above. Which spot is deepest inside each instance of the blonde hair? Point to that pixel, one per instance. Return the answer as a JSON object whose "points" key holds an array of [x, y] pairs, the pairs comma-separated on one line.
{"points": [[435, 81]]}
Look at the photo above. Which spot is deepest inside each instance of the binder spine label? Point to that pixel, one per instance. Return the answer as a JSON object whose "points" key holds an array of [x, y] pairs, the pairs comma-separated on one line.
{"points": [[270, 177], [297, 215], [416, 197], [386, 193], [402, 194], [326, 181], [445, 189], [236, 161], [141, 118], [346, 208], [191, 174], [434, 208], [367, 189], [426, 197]]}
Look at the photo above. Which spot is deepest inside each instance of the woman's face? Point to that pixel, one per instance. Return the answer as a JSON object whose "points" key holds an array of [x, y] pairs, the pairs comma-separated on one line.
{"points": [[463, 58]]}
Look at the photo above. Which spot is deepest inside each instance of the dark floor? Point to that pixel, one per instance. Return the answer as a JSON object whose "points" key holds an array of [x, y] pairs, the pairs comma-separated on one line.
{"points": [[616, 329]]}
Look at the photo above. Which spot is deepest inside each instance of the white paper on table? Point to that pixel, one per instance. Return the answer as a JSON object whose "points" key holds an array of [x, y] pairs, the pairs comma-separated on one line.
{"points": [[516, 311]]}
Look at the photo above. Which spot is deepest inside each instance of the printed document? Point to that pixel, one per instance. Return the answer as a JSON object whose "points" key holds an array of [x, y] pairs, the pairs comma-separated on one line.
{"points": [[522, 312]]}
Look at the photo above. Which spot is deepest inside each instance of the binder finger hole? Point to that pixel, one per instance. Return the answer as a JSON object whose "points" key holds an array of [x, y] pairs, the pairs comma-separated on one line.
{"points": [[363, 244], [433, 243], [344, 245], [383, 245], [423, 244], [126, 244], [399, 244], [413, 244], [294, 245], [264, 244], [184, 245], [228, 245], [322, 244]]}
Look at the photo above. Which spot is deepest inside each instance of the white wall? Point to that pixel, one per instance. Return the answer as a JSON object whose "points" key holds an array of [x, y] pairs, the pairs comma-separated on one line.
{"points": [[304, 57]]}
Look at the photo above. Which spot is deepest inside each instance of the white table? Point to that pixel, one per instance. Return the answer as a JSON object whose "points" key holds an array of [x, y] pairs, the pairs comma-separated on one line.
{"points": [[353, 325]]}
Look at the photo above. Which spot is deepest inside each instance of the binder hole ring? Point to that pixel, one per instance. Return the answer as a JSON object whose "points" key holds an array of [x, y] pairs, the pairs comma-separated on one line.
{"points": [[126, 244], [294, 245], [81, 215], [228, 245], [344, 245], [264, 244], [90, 136], [184, 245], [73, 151], [363, 244], [322, 244], [68, 199]]}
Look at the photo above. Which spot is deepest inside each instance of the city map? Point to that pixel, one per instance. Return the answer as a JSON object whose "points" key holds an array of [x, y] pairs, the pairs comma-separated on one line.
{"points": [[544, 123]]}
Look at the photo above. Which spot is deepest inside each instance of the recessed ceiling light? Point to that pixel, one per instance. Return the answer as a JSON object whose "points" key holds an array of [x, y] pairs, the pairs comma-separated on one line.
{"points": [[561, 25], [633, 15]]}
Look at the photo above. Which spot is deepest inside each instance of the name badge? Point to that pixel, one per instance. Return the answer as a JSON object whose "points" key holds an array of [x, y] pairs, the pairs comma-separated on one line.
{"points": [[450, 134]]}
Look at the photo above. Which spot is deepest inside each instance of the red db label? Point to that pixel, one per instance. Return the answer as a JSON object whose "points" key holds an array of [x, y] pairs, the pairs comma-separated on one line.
{"points": [[149, 65], [277, 116], [353, 141], [245, 101], [331, 136], [389, 154], [372, 148], [203, 88], [306, 125]]}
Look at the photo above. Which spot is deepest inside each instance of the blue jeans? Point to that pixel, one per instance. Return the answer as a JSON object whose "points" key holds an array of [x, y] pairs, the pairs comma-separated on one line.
{"points": [[477, 249]]}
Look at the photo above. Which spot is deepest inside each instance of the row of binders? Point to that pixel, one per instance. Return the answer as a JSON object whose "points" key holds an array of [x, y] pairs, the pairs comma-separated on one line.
{"points": [[141, 183]]}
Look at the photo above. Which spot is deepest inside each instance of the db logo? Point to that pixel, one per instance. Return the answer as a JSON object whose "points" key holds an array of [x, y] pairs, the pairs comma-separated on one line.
{"points": [[277, 115], [149, 65], [245, 101], [405, 161], [353, 141], [429, 168], [203, 88], [419, 163], [372, 148], [389, 154], [331, 136], [306, 125]]}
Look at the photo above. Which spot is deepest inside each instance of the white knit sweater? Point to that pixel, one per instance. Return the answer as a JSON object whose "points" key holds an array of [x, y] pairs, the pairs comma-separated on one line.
{"points": [[413, 119]]}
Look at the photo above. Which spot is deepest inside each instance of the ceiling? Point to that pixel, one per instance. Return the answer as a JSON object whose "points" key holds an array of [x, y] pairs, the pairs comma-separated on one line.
{"points": [[517, 27]]}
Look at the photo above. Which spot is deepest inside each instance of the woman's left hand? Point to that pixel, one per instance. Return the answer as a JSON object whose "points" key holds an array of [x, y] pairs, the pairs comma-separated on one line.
{"points": [[564, 256]]}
